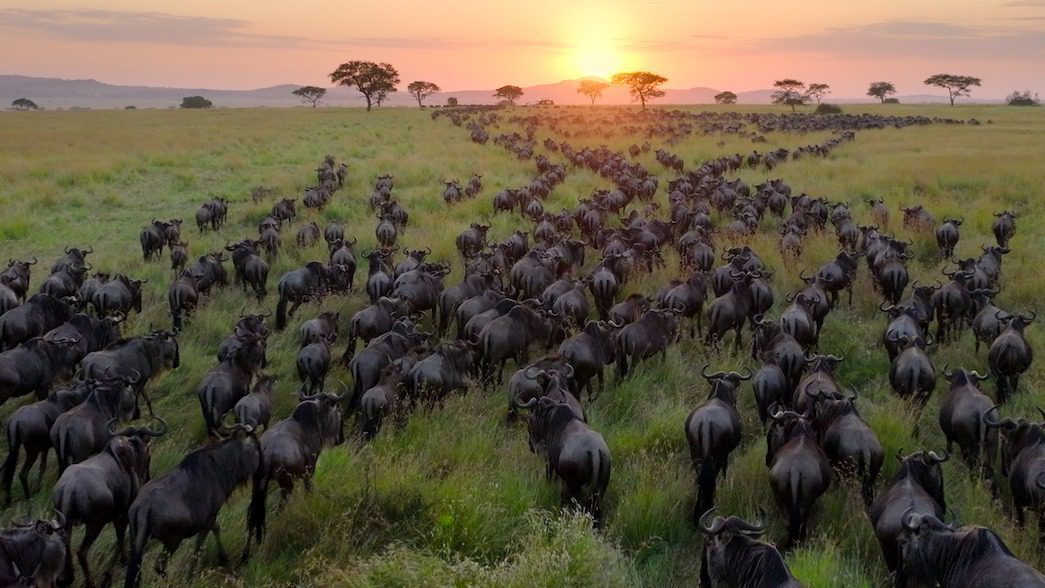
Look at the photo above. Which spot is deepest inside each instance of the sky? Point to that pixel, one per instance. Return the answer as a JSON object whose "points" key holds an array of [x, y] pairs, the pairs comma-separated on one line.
{"points": [[462, 45]]}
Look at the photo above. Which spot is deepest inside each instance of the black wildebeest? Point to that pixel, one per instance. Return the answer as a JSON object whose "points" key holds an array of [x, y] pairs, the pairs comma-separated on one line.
{"points": [[308, 235], [83, 430], [510, 336], [772, 345], [961, 418], [251, 269], [29, 427], [549, 376], [379, 280], [16, 277], [366, 366], [904, 323], [139, 358], [730, 311], [851, 446], [73, 258], [100, 490], [912, 375], [837, 275], [986, 326], [32, 367], [373, 321], [183, 295], [35, 554], [588, 352], [733, 556], [1023, 462], [953, 304], [644, 338], [439, 374], [381, 399], [298, 286], [230, 380], [575, 453], [185, 501], [799, 472], [713, 431], [1010, 354], [255, 409], [39, 314], [917, 485], [967, 557], [209, 271], [687, 300], [475, 283], [179, 256], [321, 328], [290, 450], [118, 296], [1004, 227]]}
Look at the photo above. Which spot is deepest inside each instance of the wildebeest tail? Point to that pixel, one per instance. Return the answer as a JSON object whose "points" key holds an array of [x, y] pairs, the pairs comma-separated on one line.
{"points": [[281, 312], [256, 510], [139, 539], [794, 510]]}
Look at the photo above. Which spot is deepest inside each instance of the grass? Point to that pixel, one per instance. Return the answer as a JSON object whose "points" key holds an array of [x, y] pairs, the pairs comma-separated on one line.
{"points": [[453, 497]]}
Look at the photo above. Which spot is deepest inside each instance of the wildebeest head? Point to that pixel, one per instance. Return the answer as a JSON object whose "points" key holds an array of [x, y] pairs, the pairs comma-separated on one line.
{"points": [[130, 446], [166, 343], [1015, 435], [35, 552], [321, 413]]}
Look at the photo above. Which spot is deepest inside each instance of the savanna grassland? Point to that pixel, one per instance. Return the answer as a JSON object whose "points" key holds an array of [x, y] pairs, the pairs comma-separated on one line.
{"points": [[452, 496]]}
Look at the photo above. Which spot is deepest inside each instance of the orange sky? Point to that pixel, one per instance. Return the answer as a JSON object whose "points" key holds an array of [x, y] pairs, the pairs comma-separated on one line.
{"points": [[459, 44]]}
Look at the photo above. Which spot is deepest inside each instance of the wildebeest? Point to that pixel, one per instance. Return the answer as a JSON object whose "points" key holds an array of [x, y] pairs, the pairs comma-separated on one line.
{"points": [[961, 418], [284, 210], [185, 501], [118, 296], [547, 376], [35, 554], [308, 235], [32, 367], [209, 271], [953, 304], [230, 380], [366, 366], [16, 277], [39, 314], [646, 337], [382, 398], [313, 363], [298, 286], [837, 275], [140, 358], [255, 409], [947, 236], [83, 430], [574, 452], [1023, 462], [917, 218], [732, 556], [967, 557], [851, 446], [588, 352], [153, 237], [917, 487], [29, 427], [183, 296], [986, 326], [509, 336], [74, 258], [799, 472], [687, 300], [713, 431], [290, 450], [373, 321], [100, 490], [1004, 227], [912, 375], [251, 269], [730, 310], [1010, 354], [179, 256], [439, 374]]}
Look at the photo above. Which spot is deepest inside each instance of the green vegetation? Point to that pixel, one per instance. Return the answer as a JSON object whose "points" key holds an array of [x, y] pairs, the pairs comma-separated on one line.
{"points": [[1024, 98], [24, 104], [826, 108], [195, 102], [310, 94], [881, 90], [452, 496], [790, 92], [726, 97]]}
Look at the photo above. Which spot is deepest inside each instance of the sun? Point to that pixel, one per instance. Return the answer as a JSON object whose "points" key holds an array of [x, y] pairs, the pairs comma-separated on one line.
{"points": [[596, 59]]}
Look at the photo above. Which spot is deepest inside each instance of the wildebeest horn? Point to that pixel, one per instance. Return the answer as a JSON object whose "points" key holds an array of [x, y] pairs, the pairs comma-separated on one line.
{"points": [[529, 404], [33, 262], [882, 307], [742, 377], [110, 426], [567, 370], [59, 520], [911, 520], [1040, 411], [158, 432], [939, 458], [710, 524], [533, 372], [836, 357], [947, 374], [707, 376], [88, 250], [342, 396]]}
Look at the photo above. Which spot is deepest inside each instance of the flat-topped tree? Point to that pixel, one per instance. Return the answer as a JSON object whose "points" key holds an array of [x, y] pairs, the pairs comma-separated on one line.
{"points": [[195, 102], [592, 89], [643, 85], [421, 90], [955, 85], [726, 97], [373, 80], [790, 92], [310, 94], [509, 93], [24, 104], [881, 90], [818, 91]]}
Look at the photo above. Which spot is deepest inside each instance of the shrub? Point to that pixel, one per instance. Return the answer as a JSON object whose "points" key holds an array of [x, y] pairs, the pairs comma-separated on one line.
{"points": [[195, 102], [891, 101], [1023, 98], [828, 109]]}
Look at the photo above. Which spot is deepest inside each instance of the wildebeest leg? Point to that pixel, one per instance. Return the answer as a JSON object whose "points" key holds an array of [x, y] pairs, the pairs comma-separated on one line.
{"points": [[599, 375], [738, 343], [23, 475], [168, 550], [90, 536], [1017, 511], [223, 558], [293, 307]]}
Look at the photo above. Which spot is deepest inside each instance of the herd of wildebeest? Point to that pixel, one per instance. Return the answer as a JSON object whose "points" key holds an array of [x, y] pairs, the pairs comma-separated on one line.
{"points": [[557, 283]]}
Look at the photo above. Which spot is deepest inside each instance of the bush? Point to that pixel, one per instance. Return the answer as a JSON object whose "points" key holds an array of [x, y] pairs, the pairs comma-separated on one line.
{"points": [[451, 101], [1023, 98], [195, 102], [892, 101], [828, 109]]}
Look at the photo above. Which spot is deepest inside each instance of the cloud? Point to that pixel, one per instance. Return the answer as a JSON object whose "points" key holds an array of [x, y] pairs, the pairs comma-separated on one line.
{"points": [[1023, 4], [106, 26], [908, 39]]}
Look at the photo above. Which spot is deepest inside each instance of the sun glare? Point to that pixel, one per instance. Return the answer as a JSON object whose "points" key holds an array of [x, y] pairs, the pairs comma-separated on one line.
{"points": [[596, 59]]}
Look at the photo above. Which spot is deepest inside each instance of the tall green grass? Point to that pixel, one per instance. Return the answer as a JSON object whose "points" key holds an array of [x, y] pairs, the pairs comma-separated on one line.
{"points": [[452, 496]]}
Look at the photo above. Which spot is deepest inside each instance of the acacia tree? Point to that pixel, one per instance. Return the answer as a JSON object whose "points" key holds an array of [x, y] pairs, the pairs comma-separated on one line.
{"points": [[1024, 98], [195, 102], [373, 80], [726, 97], [790, 92], [24, 104], [955, 85], [643, 85], [451, 101], [592, 89], [421, 90], [509, 93], [818, 91], [311, 94], [881, 90]]}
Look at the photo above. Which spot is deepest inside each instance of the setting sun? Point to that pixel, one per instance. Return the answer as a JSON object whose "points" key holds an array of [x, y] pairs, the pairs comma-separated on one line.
{"points": [[595, 59]]}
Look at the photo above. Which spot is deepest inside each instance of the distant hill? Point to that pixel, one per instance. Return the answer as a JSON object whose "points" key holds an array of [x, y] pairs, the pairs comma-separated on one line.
{"points": [[54, 93]]}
